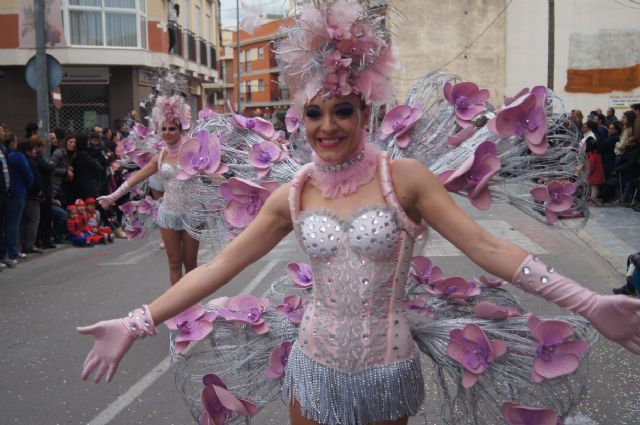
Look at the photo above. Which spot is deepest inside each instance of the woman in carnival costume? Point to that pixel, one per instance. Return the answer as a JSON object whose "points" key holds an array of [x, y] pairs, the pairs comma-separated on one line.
{"points": [[357, 214], [171, 118]]}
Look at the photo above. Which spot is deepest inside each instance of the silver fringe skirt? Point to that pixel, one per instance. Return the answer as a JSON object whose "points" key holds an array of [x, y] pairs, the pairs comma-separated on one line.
{"points": [[169, 220], [333, 397]]}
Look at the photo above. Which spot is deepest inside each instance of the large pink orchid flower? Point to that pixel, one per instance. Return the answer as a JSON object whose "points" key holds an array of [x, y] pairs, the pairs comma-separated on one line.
{"points": [[140, 130], [146, 205], [456, 139], [292, 120], [134, 230], [263, 155], [293, 307], [423, 272], [524, 116], [129, 207], [557, 355], [258, 125], [490, 311], [141, 158], [300, 274], [455, 289], [246, 309], [219, 403], [474, 175], [472, 348], [490, 282], [557, 197], [205, 114], [244, 200], [399, 121], [193, 324], [468, 99], [201, 153], [516, 414], [278, 360]]}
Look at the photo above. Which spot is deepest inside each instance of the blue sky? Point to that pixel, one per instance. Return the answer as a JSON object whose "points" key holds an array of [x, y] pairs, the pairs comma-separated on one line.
{"points": [[228, 9]]}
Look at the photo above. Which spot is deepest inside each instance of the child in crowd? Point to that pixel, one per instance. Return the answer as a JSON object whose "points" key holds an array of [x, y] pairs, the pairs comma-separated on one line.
{"points": [[93, 221], [75, 229], [632, 286], [596, 169], [84, 221]]}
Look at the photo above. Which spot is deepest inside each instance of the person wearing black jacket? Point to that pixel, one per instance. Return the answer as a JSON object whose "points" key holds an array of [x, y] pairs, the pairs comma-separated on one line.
{"points": [[46, 170], [623, 175], [607, 146], [87, 172], [97, 152]]}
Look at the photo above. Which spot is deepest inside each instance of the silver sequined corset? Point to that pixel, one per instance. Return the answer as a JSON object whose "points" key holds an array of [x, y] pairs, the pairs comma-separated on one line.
{"points": [[356, 319], [171, 198]]}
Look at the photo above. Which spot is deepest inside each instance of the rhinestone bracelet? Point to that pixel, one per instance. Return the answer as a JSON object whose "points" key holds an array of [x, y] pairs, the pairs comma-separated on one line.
{"points": [[139, 322]]}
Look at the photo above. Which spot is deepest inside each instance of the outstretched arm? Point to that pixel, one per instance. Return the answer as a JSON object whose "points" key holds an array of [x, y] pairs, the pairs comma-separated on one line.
{"points": [[145, 172], [616, 317], [271, 225], [114, 337]]}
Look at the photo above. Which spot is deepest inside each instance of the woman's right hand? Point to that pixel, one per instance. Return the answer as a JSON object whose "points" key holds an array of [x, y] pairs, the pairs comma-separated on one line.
{"points": [[113, 340], [106, 201]]}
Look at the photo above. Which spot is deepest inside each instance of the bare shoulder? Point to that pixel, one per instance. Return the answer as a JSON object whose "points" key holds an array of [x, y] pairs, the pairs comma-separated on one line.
{"points": [[411, 177]]}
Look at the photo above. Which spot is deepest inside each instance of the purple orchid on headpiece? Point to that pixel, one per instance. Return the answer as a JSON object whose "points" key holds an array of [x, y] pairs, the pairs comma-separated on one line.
{"points": [[134, 230], [258, 125], [557, 355], [246, 309], [423, 272], [490, 311], [474, 175], [293, 308], [205, 114], [474, 351], [420, 305], [455, 289], [516, 414], [193, 324], [557, 198], [278, 360], [292, 120], [146, 205], [491, 282], [244, 200], [524, 116], [300, 274], [201, 153], [219, 404], [399, 121], [263, 155], [468, 99]]}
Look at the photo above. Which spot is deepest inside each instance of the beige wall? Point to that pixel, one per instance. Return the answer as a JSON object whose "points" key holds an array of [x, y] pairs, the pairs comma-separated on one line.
{"points": [[430, 33]]}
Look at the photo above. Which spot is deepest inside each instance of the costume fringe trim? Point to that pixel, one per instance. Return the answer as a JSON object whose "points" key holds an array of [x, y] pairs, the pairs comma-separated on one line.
{"points": [[169, 220], [332, 397]]}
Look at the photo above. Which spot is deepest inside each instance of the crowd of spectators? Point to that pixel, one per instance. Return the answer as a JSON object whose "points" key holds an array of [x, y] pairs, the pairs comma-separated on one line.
{"points": [[613, 155], [48, 198]]}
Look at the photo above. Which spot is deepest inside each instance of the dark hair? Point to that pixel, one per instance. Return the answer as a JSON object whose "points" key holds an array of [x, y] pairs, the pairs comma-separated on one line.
{"points": [[592, 125], [94, 135], [82, 142], [592, 145], [60, 133], [617, 125], [631, 118], [25, 145], [30, 128], [176, 7], [8, 138], [636, 106], [68, 137], [602, 118]]}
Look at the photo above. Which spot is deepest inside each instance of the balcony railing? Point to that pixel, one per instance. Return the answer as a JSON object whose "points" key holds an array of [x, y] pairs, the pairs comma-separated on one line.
{"points": [[191, 39], [212, 57]]}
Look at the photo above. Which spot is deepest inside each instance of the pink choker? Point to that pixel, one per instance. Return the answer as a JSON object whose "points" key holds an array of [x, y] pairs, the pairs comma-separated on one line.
{"points": [[343, 179]]}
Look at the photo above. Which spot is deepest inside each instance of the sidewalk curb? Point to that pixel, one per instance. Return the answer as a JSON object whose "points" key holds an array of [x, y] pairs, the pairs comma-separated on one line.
{"points": [[613, 261]]}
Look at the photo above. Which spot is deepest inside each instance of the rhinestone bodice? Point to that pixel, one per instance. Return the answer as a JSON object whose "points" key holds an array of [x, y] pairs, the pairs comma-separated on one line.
{"points": [[171, 198], [356, 319]]}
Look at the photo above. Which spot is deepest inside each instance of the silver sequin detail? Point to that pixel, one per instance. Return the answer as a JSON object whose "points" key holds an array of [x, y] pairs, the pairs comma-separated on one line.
{"points": [[526, 271]]}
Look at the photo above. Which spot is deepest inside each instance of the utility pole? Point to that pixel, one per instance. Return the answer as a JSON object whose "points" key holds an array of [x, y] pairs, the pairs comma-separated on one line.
{"points": [[551, 47], [42, 92], [238, 48]]}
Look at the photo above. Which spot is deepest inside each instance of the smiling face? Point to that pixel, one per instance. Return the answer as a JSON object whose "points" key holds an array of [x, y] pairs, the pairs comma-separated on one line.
{"points": [[332, 125], [170, 132]]}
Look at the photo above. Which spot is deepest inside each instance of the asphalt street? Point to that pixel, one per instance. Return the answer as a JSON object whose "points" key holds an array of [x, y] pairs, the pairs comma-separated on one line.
{"points": [[46, 297]]}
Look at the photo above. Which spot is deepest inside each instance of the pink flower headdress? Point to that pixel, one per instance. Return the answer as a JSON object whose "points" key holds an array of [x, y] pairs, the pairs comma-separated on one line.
{"points": [[337, 48], [171, 104]]}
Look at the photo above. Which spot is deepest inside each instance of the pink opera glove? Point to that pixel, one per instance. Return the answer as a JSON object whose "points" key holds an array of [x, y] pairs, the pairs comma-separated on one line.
{"points": [[113, 339], [108, 200], [617, 317]]}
